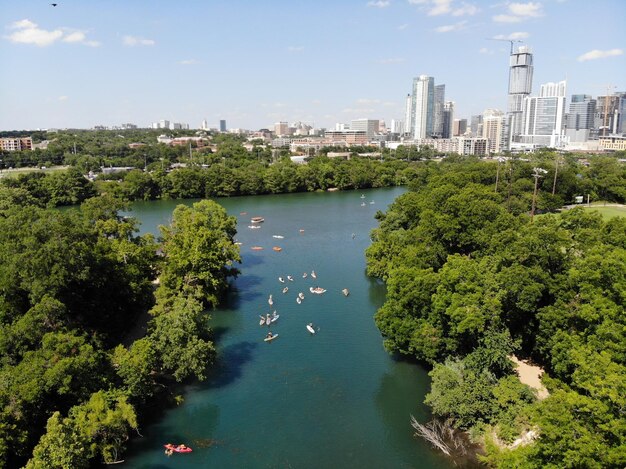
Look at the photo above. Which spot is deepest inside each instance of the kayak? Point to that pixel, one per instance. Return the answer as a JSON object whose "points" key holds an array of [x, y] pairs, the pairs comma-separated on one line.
{"points": [[269, 339], [177, 448], [277, 248], [262, 321], [310, 329]]}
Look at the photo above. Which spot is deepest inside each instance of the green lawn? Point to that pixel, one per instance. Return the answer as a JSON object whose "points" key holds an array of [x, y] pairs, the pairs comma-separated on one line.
{"points": [[608, 211], [17, 171]]}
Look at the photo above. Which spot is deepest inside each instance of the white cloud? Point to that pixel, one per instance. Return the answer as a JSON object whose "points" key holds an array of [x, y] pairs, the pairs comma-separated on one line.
{"points": [[137, 41], [295, 48], [417, 2], [189, 62], [367, 101], [513, 36], [440, 7], [518, 12], [63, 98], [379, 3], [403, 27], [76, 36], [392, 60], [526, 9], [599, 54], [451, 27], [465, 9], [27, 32]]}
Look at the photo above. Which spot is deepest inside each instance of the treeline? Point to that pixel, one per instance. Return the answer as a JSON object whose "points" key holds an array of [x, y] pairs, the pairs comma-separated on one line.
{"points": [[76, 369], [218, 180], [471, 281]]}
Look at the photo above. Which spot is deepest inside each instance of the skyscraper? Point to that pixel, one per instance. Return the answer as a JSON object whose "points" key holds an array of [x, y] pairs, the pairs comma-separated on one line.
{"points": [[580, 119], [222, 125], [610, 110], [422, 106], [370, 126], [448, 119], [440, 97], [544, 117], [520, 86], [408, 115]]}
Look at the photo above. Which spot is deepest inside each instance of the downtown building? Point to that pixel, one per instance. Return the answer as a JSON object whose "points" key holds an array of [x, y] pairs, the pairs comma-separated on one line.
{"points": [[420, 115], [492, 123], [520, 87], [543, 122], [580, 120]]}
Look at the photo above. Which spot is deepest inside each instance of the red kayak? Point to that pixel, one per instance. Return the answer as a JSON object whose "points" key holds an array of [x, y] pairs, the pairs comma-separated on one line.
{"points": [[178, 448]]}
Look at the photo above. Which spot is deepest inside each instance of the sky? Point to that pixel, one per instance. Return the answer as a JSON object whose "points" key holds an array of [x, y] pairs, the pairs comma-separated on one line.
{"points": [[254, 63]]}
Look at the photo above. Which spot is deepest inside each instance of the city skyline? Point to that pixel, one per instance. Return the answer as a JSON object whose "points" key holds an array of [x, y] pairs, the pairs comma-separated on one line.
{"points": [[80, 65]]}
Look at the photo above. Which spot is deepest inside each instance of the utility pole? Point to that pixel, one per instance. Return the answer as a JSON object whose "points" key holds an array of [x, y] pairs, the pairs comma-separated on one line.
{"points": [[500, 160], [556, 171], [538, 173]]}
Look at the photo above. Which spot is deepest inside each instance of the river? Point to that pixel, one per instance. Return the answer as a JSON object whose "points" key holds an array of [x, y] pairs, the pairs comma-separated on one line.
{"points": [[335, 399]]}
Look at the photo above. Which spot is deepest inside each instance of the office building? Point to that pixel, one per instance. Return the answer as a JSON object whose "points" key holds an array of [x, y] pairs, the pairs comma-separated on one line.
{"points": [[580, 118], [397, 126], [520, 87], [448, 119], [438, 105], [459, 127], [422, 106], [369, 126], [609, 116], [222, 125], [281, 128], [544, 118], [476, 125]]}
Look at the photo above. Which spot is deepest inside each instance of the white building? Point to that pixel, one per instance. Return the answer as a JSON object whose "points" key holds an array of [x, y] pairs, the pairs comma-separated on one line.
{"points": [[544, 118], [520, 87], [422, 106]]}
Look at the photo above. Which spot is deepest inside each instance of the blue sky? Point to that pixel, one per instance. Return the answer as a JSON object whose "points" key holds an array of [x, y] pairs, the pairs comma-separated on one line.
{"points": [[89, 62]]}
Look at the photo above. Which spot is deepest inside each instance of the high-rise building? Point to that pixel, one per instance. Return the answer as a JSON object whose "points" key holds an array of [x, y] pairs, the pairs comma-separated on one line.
{"points": [[440, 97], [459, 127], [281, 128], [397, 126], [492, 126], [222, 125], [422, 106], [520, 87], [448, 119], [544, 117], [476, 125], [370, 126], [408, 115], [610, 114], [580, 119]]}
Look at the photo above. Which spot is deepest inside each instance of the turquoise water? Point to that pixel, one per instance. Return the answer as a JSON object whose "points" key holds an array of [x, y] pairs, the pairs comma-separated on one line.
{"points": [[335, 399]]}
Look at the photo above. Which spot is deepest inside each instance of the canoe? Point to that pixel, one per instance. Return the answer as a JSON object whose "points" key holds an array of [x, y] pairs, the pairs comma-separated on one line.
{"points": [[310, 329], [257, 219], [256, 248], [285, 290], [277, 249], [269, 339], [277, 236]]}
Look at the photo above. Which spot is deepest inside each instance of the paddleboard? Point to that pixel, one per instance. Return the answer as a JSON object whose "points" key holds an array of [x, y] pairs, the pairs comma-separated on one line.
{"points": [[310, 329], [269, 339]]}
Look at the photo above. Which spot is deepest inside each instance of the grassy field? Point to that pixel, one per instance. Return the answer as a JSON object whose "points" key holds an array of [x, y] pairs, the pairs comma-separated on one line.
{"points": [[608, 211], [17, 171]]}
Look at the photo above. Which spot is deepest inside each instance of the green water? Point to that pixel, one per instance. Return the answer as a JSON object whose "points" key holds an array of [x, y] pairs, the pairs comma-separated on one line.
{"points": [[335, 399]]}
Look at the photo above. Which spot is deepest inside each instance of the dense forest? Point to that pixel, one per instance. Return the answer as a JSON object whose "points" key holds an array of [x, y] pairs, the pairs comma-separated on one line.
{"points": [[76, 373], [472, 280]]}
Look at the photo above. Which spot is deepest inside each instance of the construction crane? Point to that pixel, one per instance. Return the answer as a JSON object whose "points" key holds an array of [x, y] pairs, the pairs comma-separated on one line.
{"points": [[507, 40]]}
